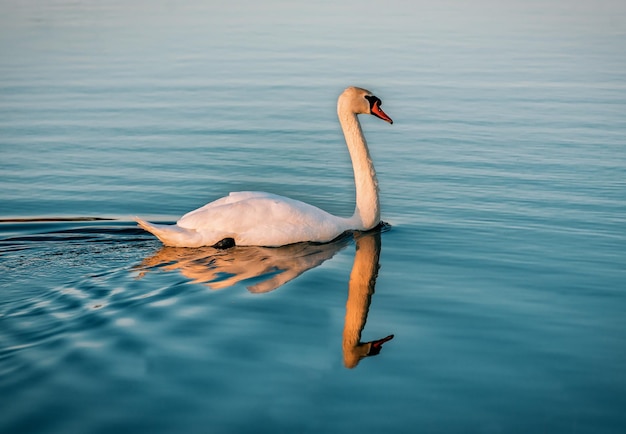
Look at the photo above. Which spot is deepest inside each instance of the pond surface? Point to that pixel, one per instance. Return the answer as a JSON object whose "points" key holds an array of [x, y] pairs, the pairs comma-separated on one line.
{"points": [[500, 271]]}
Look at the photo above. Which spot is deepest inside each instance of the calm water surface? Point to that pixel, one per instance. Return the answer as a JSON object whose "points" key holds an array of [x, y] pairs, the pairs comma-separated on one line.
{"points": [[501, 272]]}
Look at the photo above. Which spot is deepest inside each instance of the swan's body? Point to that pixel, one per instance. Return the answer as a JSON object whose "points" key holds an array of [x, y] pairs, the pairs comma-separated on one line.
{"points": [[264, 219]]}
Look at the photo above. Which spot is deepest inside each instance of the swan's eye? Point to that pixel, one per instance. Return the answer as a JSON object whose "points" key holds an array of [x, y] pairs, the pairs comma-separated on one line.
{"points": [[373, 100]]}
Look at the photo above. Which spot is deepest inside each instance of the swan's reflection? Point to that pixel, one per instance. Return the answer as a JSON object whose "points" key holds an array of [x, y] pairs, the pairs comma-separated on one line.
{"points": [[360, 291], [271, 267]]}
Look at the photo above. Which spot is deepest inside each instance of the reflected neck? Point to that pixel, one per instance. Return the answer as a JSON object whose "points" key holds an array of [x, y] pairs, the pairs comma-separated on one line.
{"points": [[360, 291]]}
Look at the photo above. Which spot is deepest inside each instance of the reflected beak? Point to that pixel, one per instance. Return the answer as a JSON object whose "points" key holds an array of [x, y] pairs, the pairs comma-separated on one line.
{"points": [[377, 345], [379, 113]]}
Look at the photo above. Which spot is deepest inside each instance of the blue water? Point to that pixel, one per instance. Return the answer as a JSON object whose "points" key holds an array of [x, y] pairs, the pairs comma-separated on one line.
{"points": [[503, 182]]}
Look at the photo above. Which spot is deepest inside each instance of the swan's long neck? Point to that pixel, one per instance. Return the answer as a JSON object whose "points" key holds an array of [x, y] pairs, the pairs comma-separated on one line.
{"points": [[367, 212]]}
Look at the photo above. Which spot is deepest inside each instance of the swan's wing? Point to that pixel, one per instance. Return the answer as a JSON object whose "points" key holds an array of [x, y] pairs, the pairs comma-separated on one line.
{"points": [[232, 198], [255, 218]]}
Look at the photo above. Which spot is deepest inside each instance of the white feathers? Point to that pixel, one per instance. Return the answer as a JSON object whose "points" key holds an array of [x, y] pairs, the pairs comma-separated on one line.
{"points": [[262, 219]]}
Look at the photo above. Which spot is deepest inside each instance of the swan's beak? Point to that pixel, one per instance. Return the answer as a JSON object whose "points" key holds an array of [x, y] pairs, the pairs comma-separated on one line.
{"points": [[377, 345], [379, 113]]}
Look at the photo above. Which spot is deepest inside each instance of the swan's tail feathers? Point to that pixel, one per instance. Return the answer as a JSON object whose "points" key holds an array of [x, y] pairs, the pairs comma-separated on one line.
{"points": [[172, 235]]}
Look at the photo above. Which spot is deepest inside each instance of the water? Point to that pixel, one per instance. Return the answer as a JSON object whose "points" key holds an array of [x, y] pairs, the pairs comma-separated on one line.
{"points": [[501, 275]]}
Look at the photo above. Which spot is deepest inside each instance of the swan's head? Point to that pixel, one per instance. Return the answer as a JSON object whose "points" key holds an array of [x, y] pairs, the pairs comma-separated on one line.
{"points": [[361, 101]]}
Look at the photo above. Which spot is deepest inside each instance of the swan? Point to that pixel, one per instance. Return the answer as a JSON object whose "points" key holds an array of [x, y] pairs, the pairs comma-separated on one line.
{"points": [[251, 218]]}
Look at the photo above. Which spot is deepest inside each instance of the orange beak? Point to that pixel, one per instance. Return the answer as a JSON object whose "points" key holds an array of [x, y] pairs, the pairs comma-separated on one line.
{"points": [[379, 113]]}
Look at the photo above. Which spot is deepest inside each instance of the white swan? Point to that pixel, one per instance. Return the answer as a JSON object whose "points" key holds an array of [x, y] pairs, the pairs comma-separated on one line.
{"points": [[263, 219]]}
